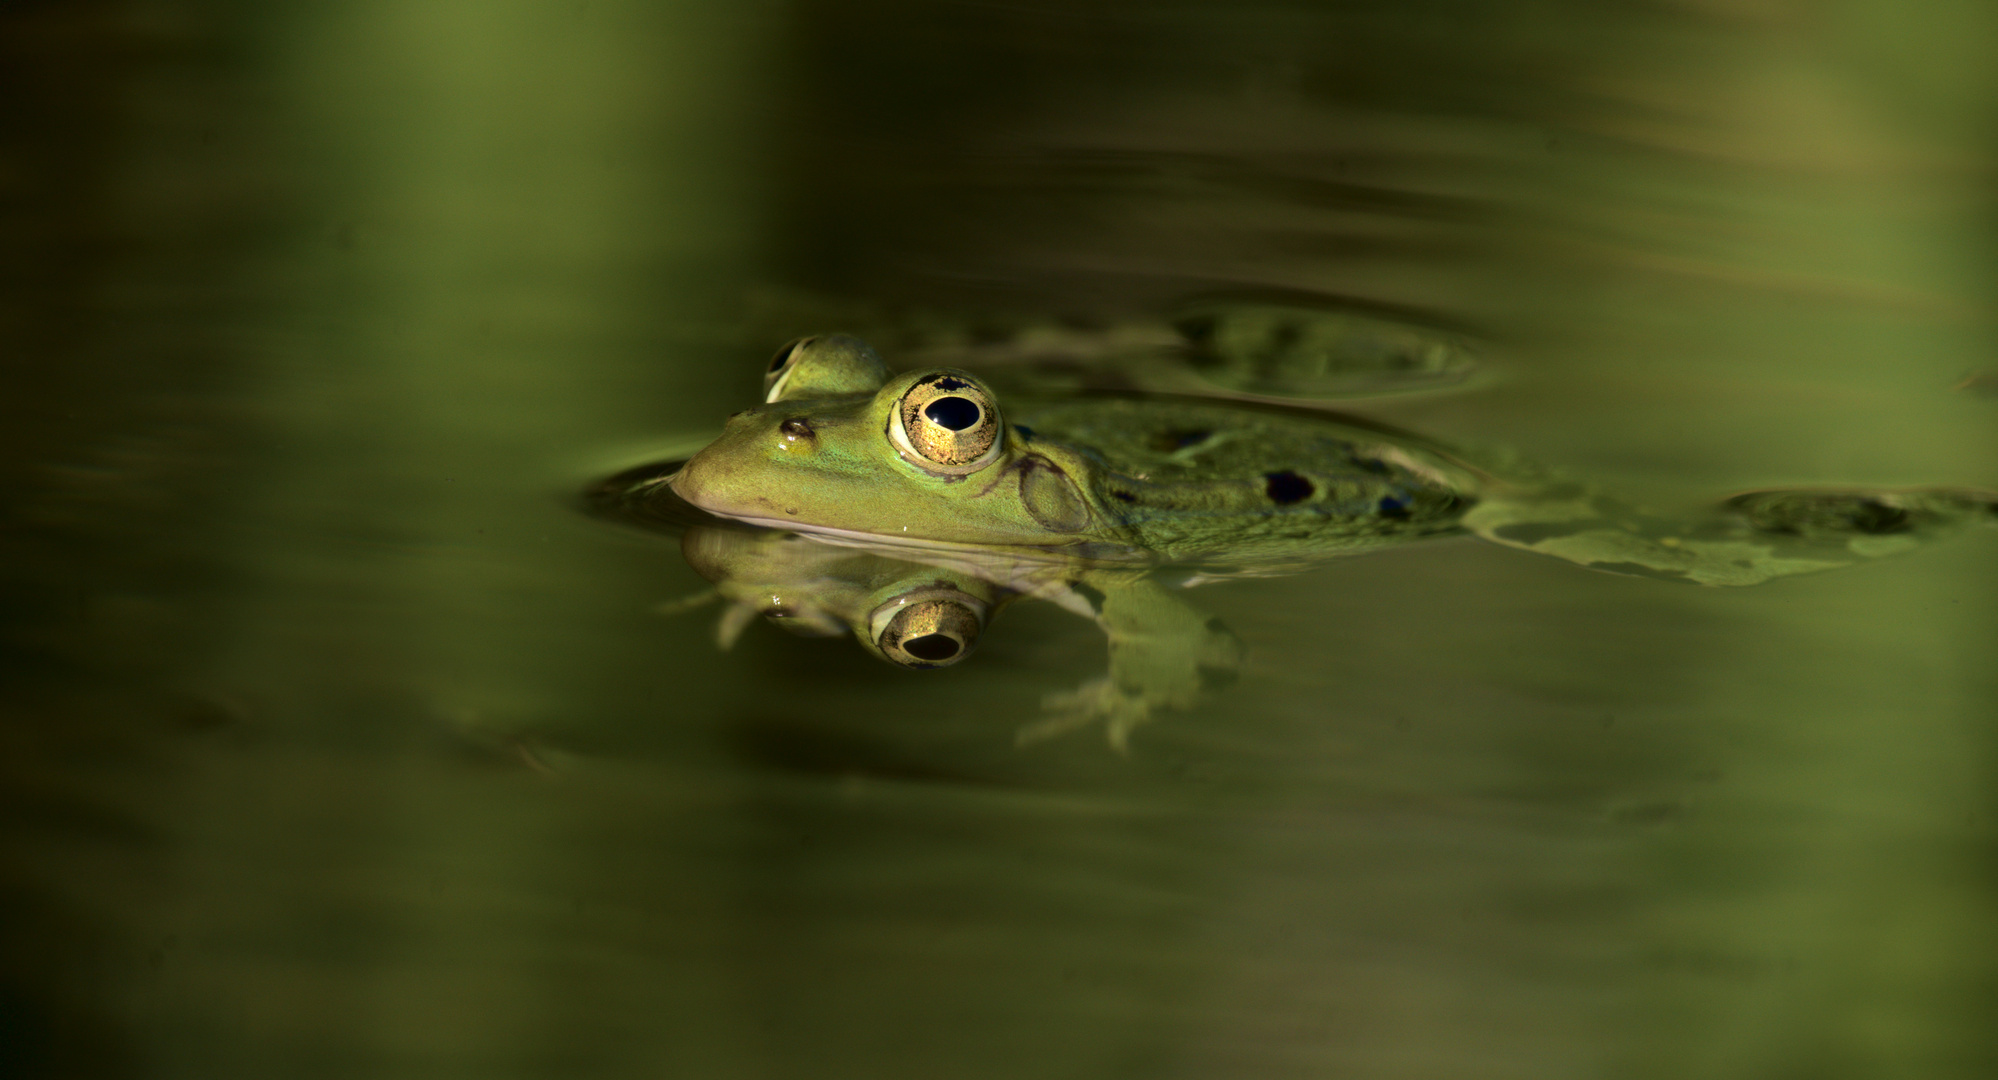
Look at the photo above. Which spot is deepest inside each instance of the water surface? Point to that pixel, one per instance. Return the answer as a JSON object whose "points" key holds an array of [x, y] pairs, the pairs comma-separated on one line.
{"points": [[342, 744]]}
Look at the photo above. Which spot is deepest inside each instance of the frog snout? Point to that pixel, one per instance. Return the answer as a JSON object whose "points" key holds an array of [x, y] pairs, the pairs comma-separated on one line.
{"points": [[696, 480], [718, 477], [684, 484]]}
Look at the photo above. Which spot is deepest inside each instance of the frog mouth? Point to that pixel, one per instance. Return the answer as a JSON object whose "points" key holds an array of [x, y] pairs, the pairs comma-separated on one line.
{"points": [[706, 484], [981, 554]]}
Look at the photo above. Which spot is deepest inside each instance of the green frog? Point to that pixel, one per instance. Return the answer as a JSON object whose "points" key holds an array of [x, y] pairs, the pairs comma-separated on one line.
{"points": [[909, 508]]}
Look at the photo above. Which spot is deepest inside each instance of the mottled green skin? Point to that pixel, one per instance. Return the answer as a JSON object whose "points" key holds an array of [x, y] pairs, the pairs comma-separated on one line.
{"points": [[1284, 349], [1201, 482]]}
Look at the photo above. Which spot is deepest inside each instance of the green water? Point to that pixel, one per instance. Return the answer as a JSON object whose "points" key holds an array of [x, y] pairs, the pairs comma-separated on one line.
{"points": [[339, 743]]}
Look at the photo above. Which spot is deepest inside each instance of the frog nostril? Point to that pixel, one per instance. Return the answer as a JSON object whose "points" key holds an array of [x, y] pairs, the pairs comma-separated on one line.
{"points": [[796, 427]]}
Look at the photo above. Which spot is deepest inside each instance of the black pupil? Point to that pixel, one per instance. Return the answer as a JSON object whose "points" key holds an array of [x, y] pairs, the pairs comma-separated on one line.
{"points": [[931, 647], [955, 413]]}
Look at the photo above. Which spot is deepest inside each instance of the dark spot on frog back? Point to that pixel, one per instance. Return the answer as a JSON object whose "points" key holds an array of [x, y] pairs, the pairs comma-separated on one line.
{"points": [[1286, 488]]}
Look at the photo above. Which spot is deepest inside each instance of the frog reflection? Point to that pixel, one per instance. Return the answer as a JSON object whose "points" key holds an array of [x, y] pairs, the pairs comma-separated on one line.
{"points": [[929, 612], [906, 613], [1079, 498]]}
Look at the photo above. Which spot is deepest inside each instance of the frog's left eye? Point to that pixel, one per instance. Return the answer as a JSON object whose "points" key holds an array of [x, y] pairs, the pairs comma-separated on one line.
{"points": [[783, 358], [823, 366], [928, 631], [947, 423]]}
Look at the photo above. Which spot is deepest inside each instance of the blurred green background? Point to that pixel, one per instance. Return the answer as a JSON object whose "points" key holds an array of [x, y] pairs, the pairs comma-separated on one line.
{"points": [[338, 743]]}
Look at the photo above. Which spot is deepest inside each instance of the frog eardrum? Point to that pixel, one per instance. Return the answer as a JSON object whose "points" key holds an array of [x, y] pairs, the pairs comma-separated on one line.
{"points": [[928, 629], [947, 423]]}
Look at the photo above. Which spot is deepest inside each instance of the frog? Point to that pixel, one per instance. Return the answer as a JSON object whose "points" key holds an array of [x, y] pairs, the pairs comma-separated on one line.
{"points": [[1109, 503]]}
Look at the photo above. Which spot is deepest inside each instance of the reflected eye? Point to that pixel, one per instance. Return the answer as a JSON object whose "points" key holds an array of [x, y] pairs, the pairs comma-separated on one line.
{"points": [[928, 633], [947, 423]]}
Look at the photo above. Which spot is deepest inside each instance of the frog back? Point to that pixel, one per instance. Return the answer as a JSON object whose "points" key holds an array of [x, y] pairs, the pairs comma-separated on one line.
{"points": [[1197, 482]]}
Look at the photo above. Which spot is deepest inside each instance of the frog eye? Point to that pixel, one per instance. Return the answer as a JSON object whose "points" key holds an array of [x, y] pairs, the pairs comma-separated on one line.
{"points": [[822, 366], [947, 423], [937, 630], [783, 358]]}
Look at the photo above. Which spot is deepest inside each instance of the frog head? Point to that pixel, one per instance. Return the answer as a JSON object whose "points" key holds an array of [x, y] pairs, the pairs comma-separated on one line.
{"points": [[841, 447]]}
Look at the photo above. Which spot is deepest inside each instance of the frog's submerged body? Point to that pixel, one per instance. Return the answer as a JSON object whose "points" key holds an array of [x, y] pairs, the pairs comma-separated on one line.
{"points": [[1074, 499]]}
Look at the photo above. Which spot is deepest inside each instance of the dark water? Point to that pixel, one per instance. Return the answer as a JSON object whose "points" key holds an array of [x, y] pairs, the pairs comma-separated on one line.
{"points": [[338, 743]]}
